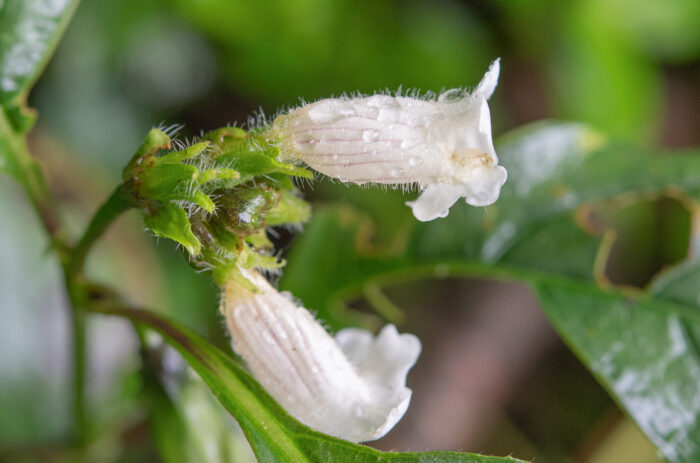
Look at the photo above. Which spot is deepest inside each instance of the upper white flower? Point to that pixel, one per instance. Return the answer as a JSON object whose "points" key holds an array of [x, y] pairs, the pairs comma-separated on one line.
{"points": [[443, 146], [352, 387]]}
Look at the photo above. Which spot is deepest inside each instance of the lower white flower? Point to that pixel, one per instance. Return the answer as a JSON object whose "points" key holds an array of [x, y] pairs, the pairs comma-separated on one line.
{"points": [[443, 146], [352, 387]]}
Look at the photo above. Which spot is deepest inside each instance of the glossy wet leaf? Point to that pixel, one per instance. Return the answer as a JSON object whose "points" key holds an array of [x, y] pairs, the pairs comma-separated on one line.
{"points": [[30, 32], [273, 435], [645, 354]]}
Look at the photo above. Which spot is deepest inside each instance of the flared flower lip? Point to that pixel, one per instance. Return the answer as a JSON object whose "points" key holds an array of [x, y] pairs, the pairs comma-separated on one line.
{"points": [[444, 146], [352, 387]]}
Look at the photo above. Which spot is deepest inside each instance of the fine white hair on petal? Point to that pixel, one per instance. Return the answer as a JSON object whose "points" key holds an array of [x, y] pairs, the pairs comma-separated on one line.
{"points": [[444, 146], [352, 387]]}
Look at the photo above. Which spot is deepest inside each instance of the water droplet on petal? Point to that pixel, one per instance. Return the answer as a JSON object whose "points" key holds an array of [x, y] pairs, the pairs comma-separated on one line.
{"points": [[414, 161], [329, 111], [451, 95], [381, 101], [408, 143], [388, 115], [370, 135]]}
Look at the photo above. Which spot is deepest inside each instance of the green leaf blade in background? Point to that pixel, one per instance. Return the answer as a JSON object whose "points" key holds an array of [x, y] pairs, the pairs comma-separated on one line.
{"points": [[635, 348], [274, 435], [30, 32], [540, 232]]}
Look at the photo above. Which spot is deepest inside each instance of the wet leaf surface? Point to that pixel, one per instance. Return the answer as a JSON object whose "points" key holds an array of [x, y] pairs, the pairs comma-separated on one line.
{"points": [[639, 343]]}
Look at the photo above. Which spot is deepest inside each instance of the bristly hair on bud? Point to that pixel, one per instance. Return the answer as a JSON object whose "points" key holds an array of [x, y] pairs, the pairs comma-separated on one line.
{"points": [[216, 196], [443, 145]]}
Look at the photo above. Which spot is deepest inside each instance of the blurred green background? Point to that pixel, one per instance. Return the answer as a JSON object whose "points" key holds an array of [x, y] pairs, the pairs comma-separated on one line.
{"points": [[631, 69]]}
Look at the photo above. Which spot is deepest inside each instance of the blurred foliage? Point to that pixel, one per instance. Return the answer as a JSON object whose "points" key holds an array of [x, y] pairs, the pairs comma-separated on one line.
{"points": [[274, 435]]}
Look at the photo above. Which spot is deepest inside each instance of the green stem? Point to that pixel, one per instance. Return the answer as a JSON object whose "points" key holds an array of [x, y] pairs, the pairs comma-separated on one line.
{"points": [[117, 203], [81, 422], [16, 160], [79, 297]]}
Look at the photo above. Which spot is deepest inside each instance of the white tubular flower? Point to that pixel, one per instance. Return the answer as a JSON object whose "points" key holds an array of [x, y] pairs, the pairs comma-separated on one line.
{"points": [[443, 146], [352, 387]]}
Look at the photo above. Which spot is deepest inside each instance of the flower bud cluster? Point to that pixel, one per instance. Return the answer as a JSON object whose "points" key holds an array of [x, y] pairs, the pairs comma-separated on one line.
{"points": [[216, 196]]}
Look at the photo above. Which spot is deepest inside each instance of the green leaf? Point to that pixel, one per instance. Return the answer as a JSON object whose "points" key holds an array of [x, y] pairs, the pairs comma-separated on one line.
{"points": [[16, 161], [272, 433], [252, 164], [187, 423], [290, 209], [167, 424], [30, 31], [640, 344], [171, 221]]}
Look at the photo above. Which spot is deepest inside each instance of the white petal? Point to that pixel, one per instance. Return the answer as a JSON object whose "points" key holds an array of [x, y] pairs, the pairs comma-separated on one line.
{"points": [[384, 360], [444, 147], [435, 201], [358, 394], [485, 187], [489, 82]]}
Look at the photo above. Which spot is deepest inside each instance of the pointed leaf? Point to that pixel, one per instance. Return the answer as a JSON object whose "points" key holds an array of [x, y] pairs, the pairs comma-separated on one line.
{"points": [[30, 31], [171, 222], [640, 344]]}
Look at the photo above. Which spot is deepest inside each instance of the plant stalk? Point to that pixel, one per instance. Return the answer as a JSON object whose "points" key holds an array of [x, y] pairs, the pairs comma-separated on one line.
{"points": [[115, 205]]}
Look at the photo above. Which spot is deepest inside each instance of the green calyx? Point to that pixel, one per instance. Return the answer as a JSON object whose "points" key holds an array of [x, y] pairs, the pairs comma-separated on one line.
{"points": [[216, 197]]}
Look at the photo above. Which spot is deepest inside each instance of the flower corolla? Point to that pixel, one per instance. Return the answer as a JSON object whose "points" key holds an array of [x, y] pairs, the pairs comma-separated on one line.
{"points": [[352, 387], [444, 146]]}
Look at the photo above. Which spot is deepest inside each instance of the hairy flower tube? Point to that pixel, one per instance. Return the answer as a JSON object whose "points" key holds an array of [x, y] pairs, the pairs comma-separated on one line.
{"points": [[352, 387], [442, 145]]}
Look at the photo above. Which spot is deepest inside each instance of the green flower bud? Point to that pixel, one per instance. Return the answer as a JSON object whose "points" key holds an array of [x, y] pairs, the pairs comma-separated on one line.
{"points": [[216, 197]]}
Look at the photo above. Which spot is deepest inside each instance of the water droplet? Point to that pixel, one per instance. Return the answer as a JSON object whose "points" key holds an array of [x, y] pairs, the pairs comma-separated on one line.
{"points": [[381, 101], [329, 111], [388, 115], [312, 141], [414, 161], [396, 172], [370, 135], [451, 95], [370, 112], [358, 412], [408, 143], [346, 111], [245, 217]]}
